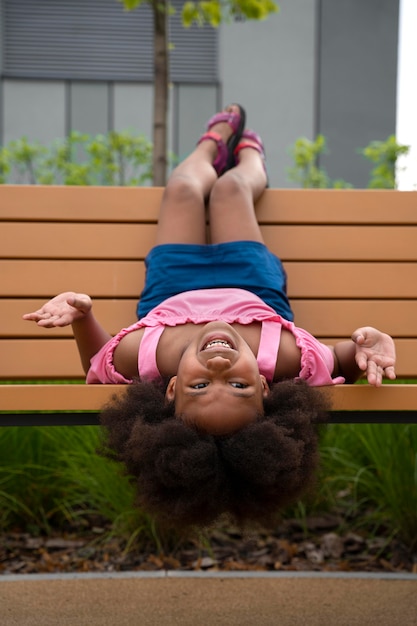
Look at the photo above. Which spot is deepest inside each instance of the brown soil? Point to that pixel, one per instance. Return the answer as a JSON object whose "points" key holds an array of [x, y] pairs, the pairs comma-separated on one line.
{"points": [[319, 545]]}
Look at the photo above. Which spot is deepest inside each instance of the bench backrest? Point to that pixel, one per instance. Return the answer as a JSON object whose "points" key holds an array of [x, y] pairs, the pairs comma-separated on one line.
{"points": [[350, 256]]}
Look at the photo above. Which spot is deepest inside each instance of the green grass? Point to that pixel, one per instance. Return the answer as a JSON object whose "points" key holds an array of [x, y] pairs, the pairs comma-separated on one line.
{"points": [[374, 466], [50, 476]]}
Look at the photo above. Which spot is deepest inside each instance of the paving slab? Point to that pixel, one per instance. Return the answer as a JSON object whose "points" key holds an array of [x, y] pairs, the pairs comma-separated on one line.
{"points": [[242, 600]]}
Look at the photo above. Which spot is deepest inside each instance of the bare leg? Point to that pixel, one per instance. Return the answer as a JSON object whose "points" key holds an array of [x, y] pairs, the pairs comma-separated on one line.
{"points": [[182, 217], [231, 207]]}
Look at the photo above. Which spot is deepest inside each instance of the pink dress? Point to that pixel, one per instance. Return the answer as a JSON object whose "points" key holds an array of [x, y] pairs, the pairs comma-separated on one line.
{"points": [[207, 305]]}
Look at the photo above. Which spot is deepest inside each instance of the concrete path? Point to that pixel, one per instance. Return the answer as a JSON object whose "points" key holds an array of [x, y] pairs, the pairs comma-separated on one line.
{"points": [[176, 598]]}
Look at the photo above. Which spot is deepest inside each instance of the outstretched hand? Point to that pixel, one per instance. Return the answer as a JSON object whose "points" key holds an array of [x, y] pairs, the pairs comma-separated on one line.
{"points": [[62, 310], [375, 354]]}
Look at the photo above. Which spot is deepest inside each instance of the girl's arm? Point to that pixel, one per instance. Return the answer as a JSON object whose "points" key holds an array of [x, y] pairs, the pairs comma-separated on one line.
{"points": [[370, 351], [73, 309]]}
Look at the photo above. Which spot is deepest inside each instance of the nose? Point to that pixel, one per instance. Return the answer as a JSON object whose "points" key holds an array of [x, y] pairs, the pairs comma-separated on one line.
{"points": [[218, 363]]}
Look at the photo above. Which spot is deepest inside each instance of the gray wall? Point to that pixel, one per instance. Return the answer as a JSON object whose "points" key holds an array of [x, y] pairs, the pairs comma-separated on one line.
{"points": [[357, 83], [318, 66], [269, 67], [34, 109]]}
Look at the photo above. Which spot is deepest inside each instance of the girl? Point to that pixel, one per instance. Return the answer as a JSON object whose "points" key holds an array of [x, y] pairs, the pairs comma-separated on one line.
{"points": [[222, 414]]}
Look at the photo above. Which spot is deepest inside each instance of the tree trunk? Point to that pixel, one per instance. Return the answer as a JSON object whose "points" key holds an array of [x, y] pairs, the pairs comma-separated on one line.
{"points": [[161, 76]]}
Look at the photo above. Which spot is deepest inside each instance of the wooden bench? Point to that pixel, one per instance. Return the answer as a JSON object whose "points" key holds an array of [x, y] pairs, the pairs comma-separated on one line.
{"points": [[350, 256]]}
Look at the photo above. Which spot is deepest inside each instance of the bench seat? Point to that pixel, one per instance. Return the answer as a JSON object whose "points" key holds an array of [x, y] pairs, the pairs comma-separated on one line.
{"points": [[350, 256]]}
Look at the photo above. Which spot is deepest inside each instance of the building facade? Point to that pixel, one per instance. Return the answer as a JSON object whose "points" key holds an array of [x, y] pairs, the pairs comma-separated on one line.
{"points": [[318, 66]]}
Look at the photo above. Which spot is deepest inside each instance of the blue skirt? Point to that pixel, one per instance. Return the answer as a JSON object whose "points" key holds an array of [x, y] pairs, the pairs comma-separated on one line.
{"points": [[174, 268]]}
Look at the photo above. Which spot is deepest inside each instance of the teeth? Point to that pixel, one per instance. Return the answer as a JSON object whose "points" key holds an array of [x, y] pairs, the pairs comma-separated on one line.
{"points": [[217, 342]]}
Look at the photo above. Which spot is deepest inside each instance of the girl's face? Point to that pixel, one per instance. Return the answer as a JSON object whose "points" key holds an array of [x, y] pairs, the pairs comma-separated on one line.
{"points": [[218, 387]]}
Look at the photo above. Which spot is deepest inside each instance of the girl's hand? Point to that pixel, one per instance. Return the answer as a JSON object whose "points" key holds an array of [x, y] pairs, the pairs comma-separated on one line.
{"points": [[375, 354], [62, 310]]}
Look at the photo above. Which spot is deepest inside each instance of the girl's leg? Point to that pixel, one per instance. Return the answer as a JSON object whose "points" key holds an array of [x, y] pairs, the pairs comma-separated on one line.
{"points": [[232, 199], [182, 217]]}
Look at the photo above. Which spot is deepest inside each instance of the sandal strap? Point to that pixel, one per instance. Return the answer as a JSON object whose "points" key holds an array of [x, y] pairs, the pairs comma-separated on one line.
{"points": [[256, 145], [220, 161], [211, 135], [246, 144]]}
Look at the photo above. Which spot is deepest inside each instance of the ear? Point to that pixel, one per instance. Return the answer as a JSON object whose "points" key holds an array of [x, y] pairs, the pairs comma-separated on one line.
{"points": [[265, 387], [170, 392]]}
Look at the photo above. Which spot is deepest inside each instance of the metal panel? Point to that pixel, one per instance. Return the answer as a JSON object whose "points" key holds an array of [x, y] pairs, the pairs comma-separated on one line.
{"points": [[193, 58], [77, 39], [99, 40]]}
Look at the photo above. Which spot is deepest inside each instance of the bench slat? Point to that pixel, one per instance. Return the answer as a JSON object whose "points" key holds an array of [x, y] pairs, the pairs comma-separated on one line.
{"points": [[44, 279], [343, 243], [47, 240], [351, 280], [42, 203], [133, 241], [339, 318], [109, 204], [352, 398], [320, 317], [124, 279], [40, 358], [58, 358]]}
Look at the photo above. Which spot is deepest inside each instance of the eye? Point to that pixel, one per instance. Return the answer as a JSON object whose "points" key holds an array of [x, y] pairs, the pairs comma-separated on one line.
{"points": [[239, 385], [199, 386]]}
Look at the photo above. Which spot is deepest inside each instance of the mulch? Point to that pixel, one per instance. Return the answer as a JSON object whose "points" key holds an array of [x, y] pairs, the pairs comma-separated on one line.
{"points": [[317, 544]]}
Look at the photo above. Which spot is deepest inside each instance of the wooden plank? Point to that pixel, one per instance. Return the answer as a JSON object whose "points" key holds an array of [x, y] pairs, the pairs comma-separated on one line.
{"points": [[354, 206], [330, 206], [44, 279], [351, 280], [93, 397], [77, 397], [133, 241], [367, 398], [40, 358], [56, 358], [28, 202], [336, 318], [343, 243], [125, 279], [48, 240]]}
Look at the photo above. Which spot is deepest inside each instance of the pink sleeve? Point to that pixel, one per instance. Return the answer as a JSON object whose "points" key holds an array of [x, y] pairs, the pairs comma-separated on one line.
{"points": [[317, 362], [102, 369]]}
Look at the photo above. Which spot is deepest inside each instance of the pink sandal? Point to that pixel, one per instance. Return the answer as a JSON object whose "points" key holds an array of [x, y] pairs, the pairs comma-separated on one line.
{"points": [[225, 152], [256, 145]]}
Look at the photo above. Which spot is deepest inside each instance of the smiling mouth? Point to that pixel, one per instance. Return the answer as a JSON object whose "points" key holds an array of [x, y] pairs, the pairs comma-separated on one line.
{"points": [[215, 344]]}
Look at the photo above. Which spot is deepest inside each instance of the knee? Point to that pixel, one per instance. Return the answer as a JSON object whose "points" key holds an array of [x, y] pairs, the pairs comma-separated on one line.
{"points": [[182, 189], [229, 186]]}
